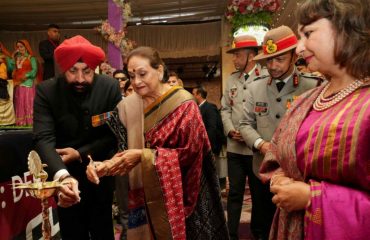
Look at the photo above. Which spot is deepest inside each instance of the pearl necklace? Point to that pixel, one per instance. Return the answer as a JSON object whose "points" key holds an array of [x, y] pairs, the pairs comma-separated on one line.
{"points": [[321, 103]]}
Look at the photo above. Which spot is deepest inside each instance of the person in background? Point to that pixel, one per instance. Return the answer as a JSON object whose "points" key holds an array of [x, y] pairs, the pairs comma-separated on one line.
{"points": [[8, 58], [239, 155], [174, 191], [267, 102], [121, 76], [213, 123], [174, 80], [319, 155], [24, 72], [67, 138], [128, 89], [3, 68], [106, 69], [301, 65], [7, 115], [46, 50]]}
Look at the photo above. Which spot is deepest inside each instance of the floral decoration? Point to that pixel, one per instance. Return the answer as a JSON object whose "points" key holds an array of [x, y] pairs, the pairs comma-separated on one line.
{"points": [[251, 12], [119, 39], [126, 10]]}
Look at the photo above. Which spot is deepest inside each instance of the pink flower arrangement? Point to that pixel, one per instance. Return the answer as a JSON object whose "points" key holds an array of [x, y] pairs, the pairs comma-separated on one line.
{"points": [[119, 38], [251, 6]]}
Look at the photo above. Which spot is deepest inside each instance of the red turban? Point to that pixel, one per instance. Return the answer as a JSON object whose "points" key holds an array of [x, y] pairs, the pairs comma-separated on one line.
{"points": [[75, 49]]}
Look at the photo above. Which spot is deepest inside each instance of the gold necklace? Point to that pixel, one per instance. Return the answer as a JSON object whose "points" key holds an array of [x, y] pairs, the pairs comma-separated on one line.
{"points": [[321, 103]]}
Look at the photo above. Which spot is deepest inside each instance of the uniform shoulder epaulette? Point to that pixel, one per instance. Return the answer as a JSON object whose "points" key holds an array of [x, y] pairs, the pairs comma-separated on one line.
{"points": [[318, 78], [261, 77]]}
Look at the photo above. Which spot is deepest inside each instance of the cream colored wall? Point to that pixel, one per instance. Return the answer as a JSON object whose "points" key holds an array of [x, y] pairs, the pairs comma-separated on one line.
{"points": [[227, 65]]}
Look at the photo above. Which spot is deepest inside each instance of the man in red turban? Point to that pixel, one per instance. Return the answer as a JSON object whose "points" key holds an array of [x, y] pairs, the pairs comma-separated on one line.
{"points": [[65, 138]]}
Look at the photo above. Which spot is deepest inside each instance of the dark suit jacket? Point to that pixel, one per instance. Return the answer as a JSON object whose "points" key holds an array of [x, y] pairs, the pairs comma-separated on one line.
{"points": [[46, 50], [213, 123], [63, 119]]}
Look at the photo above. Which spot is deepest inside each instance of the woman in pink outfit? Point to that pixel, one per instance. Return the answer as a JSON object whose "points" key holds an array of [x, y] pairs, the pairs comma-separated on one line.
{"points": [[25, 69], [319, 162]]}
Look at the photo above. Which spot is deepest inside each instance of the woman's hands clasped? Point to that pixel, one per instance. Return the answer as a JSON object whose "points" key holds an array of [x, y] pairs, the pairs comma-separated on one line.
{"points": [[120, 164], [290, 195]]}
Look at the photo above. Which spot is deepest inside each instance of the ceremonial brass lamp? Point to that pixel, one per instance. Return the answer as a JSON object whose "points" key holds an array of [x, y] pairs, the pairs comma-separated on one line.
{"points": [[40, 189]]}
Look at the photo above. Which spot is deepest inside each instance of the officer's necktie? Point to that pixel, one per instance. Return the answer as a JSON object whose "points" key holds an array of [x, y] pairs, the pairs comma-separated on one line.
{"points": [[280, 85], [246, 76]]}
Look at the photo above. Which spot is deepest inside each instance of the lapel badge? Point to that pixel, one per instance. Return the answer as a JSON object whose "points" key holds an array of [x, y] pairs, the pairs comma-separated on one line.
{"points": [[295, 80]]}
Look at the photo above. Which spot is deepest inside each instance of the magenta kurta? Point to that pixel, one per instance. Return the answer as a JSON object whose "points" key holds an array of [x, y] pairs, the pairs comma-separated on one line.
{"points": [[332, 154]]}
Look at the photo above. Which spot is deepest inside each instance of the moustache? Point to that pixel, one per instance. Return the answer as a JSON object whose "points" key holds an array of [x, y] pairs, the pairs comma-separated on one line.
{"points": [[80, 87]]}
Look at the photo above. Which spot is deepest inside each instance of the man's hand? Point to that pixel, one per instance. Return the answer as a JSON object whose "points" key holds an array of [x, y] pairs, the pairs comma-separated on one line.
{"points": [[291, 197], [68, 193], [264, 147], [236, 136], [68, 154]]}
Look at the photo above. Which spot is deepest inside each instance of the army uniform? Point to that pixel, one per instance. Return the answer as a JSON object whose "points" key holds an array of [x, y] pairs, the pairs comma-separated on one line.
{"points": [[232, 105], [239, 155], [265, 107]]}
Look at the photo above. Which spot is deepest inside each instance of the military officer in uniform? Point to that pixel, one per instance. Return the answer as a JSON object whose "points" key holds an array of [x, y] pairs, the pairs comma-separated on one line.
{"points": [[239, 156], [268, 98]]}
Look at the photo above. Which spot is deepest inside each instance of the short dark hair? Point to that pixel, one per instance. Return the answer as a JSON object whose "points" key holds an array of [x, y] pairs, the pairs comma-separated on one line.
{"points": [[53, 26], [173, 74], [350, 21], [202, 91], [301, 62], [153, 56], [252, 50], [119, 71], [127, 85]]}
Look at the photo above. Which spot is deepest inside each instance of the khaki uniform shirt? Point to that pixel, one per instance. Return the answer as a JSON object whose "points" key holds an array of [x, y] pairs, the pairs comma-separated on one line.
{"points": [[265, 107], [232, 106]]}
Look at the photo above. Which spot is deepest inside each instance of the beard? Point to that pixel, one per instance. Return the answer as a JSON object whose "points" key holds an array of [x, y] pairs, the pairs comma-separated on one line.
{"points": [[80, 88]]}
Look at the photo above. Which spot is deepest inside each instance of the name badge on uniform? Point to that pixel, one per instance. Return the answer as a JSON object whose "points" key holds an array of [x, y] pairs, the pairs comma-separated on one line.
{"points": [[232, 94], [261, 107]]}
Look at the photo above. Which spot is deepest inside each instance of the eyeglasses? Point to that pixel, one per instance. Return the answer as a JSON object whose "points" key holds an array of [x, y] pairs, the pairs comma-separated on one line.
{"points": [[121, 78]]}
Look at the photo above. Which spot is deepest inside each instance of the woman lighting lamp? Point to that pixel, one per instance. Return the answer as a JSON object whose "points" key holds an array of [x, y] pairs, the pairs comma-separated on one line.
{"points": [[174, 191], [322, 184]]}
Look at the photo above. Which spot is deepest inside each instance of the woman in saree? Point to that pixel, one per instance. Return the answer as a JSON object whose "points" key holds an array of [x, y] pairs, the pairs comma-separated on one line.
{"points": [[24, 67], [174, 191], [322, 183]]}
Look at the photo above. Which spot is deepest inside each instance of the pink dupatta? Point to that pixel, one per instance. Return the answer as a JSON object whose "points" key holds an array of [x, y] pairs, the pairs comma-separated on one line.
{"points": [[321, 220]]}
